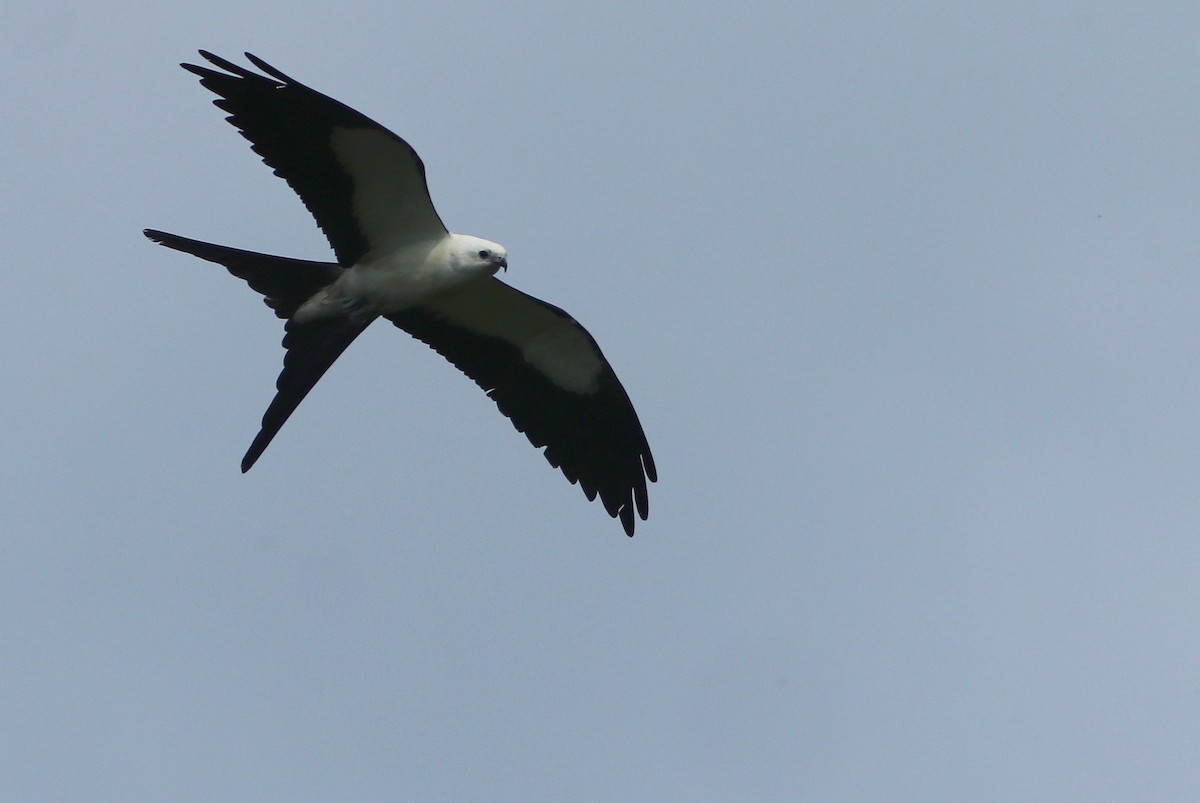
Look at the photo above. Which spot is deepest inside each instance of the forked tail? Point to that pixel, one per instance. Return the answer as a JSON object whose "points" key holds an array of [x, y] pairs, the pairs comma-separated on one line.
{"points": [[285, 285]]}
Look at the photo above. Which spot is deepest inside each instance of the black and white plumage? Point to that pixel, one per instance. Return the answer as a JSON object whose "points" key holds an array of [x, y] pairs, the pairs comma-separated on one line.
{"points": [[366, 188]]}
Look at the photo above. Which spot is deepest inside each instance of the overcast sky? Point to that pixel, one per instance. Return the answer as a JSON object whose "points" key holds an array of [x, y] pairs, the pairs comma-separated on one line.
{"points": [[907, 300]]}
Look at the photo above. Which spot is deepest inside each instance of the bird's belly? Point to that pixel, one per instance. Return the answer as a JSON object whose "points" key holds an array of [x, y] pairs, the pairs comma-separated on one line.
{"points": [[390, 287]]}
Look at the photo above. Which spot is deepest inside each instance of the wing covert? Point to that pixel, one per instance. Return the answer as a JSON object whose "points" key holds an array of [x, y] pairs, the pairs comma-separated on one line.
{"points": [[364, 185]]}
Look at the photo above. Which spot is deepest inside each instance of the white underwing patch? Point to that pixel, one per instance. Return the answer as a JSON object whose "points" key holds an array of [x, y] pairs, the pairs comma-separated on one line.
{"points": [[552, 343], [391, 203], [567, 356]]}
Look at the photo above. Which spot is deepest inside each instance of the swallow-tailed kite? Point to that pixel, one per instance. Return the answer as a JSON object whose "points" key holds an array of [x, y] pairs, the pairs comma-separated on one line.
{"points": [[366, 188]]}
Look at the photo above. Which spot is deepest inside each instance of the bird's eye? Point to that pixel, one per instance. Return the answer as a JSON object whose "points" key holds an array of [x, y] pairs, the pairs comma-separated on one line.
{"points": [[484, 254]]}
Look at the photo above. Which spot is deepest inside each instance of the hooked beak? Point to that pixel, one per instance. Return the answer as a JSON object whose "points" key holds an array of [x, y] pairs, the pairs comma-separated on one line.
{"points": [[502, 262]]}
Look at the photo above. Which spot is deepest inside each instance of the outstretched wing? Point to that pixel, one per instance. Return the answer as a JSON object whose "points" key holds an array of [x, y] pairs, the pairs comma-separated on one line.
{"points": [[546, 373], [364, 185]]}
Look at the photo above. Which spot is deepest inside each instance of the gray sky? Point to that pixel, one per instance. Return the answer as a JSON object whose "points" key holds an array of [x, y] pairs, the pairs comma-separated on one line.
{"points": [[907, 302]]}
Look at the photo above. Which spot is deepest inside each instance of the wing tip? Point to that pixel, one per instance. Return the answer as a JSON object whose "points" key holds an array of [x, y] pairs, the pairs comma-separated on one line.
{"points": [[234, 70], [648, 465], [627, 520], [268, 69]]}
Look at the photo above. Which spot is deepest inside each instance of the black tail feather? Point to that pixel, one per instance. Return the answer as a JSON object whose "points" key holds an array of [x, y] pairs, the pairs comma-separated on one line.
{"points": [[284, 282], [311, 347]]}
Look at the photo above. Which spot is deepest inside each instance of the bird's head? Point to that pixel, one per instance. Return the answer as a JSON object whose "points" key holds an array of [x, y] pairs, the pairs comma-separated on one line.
{"points": [[473, 253]]}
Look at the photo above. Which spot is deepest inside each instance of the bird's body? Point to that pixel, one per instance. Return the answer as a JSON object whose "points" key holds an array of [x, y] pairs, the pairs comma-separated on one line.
{"points": [[410, 275], [395, 259]]}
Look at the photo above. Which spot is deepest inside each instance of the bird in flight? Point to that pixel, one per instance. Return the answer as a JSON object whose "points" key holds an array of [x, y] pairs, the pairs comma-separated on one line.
{"points": [[366, 188]]}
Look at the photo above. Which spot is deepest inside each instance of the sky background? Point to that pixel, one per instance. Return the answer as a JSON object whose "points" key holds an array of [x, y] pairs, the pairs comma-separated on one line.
{"points": [[907, 300]]}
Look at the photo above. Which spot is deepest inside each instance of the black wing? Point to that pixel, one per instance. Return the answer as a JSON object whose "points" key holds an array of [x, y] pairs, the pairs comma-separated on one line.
{"points": [[546, 373], [364, 185]]}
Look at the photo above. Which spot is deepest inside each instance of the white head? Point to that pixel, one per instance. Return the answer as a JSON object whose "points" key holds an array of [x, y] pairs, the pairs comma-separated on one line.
{"points": [[472, 254]]}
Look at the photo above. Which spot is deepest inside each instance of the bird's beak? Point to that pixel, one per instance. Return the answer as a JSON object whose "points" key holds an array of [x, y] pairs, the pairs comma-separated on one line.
{"points": [[503, 262]]}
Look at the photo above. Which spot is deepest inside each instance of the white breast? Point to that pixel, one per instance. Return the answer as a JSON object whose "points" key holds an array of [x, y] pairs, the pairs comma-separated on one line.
{"points": [[410, 276]]}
